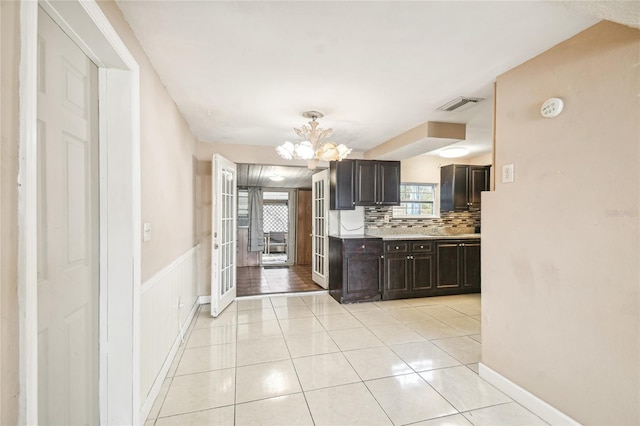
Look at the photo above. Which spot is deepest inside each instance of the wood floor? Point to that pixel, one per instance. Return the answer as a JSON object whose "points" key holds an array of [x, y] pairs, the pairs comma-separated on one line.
{"points": [[255, 280]]}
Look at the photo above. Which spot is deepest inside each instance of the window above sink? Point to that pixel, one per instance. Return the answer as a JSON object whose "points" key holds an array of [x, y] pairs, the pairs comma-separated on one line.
{"points": [[417, 200]]}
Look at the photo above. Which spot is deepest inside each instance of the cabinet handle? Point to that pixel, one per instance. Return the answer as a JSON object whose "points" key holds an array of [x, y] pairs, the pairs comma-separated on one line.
{"points": [[397, 248], [421, 246], [363, 246], [382, 256]]}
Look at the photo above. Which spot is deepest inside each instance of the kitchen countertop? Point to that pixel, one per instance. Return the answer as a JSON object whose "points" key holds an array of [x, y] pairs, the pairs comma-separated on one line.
{"points": [[356, 237], [428, 237], [406, 237]]}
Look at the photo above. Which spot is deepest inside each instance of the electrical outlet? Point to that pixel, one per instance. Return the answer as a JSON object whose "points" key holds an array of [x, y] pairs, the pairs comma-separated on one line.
{"points": [[507, 173], [146, 236], [386, 218]]}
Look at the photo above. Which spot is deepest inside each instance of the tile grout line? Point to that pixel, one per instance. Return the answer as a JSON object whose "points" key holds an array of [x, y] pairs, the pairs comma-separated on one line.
{"points": [[235, 371], [295, 370]]}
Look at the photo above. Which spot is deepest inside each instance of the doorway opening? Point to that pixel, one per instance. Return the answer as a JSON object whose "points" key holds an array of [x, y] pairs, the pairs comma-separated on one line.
{"points": [[282, 263], [278, 228]]}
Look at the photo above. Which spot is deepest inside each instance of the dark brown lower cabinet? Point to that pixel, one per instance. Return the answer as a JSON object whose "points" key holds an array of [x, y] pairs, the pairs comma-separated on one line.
{"points": [[458, 269], [355, 269], [366, 269], [430, 268], [470, 278], [408, 269]]}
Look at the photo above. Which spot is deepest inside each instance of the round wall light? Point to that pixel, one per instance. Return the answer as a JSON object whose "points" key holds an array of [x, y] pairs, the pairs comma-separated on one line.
{"points": [[454, 152]]}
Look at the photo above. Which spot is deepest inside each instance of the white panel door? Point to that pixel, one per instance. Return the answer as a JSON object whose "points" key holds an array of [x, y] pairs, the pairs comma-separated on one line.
{"points": [[223, 234], [320, 241], [68, 231]]}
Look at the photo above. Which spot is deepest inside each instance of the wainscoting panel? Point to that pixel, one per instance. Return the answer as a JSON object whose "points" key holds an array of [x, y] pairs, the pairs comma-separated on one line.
{"points": [[168, 302]]}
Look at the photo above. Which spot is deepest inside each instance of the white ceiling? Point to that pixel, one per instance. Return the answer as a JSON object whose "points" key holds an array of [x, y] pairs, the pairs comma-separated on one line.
{"points": [[242, 72]]}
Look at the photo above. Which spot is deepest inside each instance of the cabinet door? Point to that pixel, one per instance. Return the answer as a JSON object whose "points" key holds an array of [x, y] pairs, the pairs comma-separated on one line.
{"points": [[422, 272], [366, 178], [478, 182], [470, 271], [389, 183], [362, 274], [341, 186], [396, 276], [448, 265], [461, 188], [454, 187]]}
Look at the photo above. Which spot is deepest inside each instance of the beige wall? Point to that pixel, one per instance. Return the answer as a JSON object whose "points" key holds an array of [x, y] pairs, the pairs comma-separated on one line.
{"points": [[9, 62], [426, 168], [203, 223], [167, 153], [560, 269]]}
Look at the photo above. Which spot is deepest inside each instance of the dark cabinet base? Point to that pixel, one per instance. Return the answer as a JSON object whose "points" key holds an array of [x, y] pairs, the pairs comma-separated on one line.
{"points": [[355, 270], [431, 268]]}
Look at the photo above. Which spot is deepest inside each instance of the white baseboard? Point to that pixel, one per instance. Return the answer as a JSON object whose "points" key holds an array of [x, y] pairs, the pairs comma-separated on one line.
{"points": [[203, 300], [157, 384], [542, 409]]}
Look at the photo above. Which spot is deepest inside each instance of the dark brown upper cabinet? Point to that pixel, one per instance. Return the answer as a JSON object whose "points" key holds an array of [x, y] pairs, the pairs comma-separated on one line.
{"points": [[461, 185], [363, 183], [377, 183], [341, 185]]}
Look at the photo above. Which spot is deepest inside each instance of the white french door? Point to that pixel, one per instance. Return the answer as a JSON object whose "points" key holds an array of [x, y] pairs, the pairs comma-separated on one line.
{"points": [[223, 234], [68, 230], [320, 241]]}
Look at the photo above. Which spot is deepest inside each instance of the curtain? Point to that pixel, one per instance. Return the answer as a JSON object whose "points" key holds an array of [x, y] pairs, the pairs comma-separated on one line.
{"points": [[256, 230]]}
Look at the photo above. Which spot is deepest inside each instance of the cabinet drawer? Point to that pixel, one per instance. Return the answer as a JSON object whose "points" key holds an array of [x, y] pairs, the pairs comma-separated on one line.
{"points": [[400, 247], [362, 246], [421, 246]]}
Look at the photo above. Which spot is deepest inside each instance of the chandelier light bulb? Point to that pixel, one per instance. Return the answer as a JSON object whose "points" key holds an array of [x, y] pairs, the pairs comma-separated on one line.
{"points": [[343, 151], [305, 150], [286, 150]]}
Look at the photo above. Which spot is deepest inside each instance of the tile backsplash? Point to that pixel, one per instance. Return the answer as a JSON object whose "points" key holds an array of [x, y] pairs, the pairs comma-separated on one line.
{"points": [[448, 222]]}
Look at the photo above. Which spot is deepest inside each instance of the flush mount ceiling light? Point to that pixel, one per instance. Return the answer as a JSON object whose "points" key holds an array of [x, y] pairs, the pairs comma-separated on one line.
{"points": [[312, 148], [276, 178], [454, 152]]}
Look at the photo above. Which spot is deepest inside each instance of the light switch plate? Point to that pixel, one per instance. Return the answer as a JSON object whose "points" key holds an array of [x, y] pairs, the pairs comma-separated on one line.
{"points": [[146, 235], [507, 173]]}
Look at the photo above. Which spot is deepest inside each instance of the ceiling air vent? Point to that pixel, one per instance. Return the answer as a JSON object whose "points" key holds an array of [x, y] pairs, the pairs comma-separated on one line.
{"points": [[459, 104]]}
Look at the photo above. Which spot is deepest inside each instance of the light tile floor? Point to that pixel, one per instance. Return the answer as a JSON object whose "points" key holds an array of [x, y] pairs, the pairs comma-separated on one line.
{"points": [[307, 360]]}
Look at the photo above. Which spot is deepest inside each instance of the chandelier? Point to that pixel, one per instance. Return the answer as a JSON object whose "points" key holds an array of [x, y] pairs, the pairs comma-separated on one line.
{"points": [[312, 148]]}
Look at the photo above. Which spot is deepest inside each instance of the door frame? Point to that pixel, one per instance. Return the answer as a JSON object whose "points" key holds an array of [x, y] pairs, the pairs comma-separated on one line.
{"points": [[120, 230]]}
